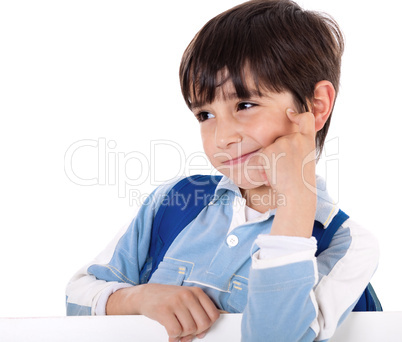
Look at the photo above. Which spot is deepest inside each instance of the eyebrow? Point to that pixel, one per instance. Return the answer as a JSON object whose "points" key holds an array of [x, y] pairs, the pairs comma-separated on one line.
{"points": [[230, 96]]}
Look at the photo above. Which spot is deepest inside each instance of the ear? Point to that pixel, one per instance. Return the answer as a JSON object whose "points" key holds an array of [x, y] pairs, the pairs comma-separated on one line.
{"points": [[323, 102]]}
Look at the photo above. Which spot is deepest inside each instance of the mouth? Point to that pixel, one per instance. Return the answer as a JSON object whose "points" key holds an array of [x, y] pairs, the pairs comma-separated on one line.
{"points": [[241, 159]]}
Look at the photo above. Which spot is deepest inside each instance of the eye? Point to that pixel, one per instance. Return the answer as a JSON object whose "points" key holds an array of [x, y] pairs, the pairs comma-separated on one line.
{"points": [[203, 116], [245, 105]]}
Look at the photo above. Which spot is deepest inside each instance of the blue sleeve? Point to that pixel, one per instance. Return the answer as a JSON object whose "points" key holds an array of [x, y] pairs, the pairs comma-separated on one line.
{"points": [[279, 305], [306, 300]]}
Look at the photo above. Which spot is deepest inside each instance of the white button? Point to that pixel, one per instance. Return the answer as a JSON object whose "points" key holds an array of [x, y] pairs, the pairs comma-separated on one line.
{"points": [[232, 240]]}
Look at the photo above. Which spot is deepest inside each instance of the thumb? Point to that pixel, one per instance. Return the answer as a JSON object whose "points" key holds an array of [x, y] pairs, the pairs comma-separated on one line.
{"points": [[305, 121], [291, 113]]}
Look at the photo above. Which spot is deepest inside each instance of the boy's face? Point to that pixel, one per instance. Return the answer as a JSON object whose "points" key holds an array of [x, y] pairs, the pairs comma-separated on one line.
{"points": [[234, 131]]}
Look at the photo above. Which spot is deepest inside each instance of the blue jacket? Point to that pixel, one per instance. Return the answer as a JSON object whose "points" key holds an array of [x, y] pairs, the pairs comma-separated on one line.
{"points": [[284, 291]]}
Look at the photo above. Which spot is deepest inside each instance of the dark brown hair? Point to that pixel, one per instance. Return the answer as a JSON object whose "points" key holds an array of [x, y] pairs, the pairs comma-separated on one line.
{"points": [[283, 46]]}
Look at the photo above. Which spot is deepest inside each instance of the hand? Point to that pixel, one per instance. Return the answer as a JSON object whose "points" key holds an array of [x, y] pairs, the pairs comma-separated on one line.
{"points": [[289, 166], [185, 312]]}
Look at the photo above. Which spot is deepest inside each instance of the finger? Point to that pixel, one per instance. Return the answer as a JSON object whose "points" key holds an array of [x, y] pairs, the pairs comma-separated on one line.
{"points": [[187, 322], [201, 318], [306, 121], [203, 312], [187, 338], [172, 326], [211, 310], [202, 335]]}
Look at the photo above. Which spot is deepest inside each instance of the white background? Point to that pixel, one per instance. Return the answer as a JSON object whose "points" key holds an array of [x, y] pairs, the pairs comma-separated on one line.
{"points": [[76, 73]]}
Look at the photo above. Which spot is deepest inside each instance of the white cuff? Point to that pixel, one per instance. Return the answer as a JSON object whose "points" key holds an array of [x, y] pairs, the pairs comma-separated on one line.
{"points": [[278, 250], [100, 309]]}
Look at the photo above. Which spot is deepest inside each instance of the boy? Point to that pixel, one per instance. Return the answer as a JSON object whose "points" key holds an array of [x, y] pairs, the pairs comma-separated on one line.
{"points": [[262, 80]]}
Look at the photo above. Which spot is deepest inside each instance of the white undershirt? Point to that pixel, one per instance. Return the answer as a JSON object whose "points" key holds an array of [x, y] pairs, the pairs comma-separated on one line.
{"points": [[251, 214], [274, 250]]}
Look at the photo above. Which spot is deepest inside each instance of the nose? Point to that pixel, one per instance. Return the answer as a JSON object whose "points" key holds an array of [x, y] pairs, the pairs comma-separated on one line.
{"points": [[227, 132]]}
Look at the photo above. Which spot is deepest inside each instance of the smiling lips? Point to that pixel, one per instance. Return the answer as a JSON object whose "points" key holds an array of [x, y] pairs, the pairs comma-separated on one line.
{"points": [[241, 159]]}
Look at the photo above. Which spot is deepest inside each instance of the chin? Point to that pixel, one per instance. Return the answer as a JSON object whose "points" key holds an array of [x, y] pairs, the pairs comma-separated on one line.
{"points": [[249, 186], [249, 182], [244, 178]]}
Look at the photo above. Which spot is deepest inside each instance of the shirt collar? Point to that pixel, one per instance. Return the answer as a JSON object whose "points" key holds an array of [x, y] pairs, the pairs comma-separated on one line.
{"points": [[326, 206], [226, 184]]}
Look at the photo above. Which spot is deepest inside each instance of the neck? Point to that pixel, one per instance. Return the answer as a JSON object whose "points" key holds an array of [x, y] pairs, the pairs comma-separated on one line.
{"points": [[263, 198]]}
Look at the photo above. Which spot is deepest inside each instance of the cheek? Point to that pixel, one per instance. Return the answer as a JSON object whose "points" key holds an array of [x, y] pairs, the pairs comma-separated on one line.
{"points": [[268, 130], [266, 134], [208, 144]]}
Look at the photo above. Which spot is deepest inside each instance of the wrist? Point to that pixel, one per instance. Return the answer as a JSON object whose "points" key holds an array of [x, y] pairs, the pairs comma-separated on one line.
{"points": [[100, 309], [125, 301], [296, 217]]}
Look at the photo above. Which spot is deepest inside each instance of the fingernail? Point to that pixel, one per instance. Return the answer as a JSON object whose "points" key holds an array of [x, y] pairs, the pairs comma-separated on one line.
{"points": [[201, 336], [290, 111]]}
